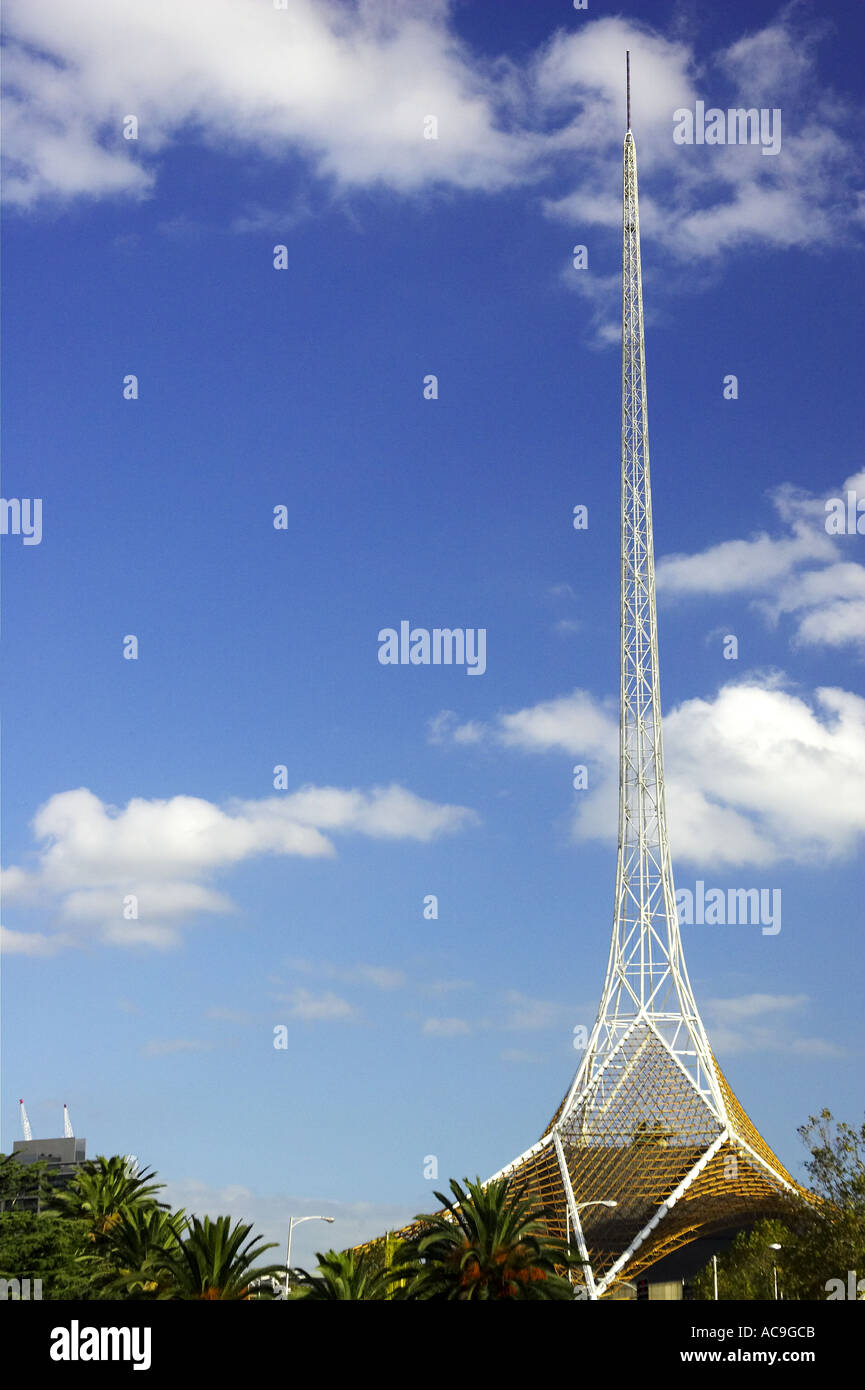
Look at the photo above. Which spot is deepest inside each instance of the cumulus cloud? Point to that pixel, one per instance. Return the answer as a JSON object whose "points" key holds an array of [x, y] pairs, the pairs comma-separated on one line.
{"points": [[349, 87], [22, 943], [445, 727], [755, 775], [569, 722], [697, 202], [710, 198], [801, 570], [787, 775], [135, 875], [386, 813]]}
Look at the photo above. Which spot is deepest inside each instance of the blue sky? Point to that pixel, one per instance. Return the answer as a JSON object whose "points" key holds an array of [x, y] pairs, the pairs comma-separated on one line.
{"points": [[258, 647]]}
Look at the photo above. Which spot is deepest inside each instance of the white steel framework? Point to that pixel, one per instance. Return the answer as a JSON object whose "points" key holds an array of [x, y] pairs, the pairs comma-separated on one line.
{"points": [[649, 1120], [649, 1148]]}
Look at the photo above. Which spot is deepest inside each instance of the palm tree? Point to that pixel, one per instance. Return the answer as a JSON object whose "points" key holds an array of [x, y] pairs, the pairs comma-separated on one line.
{"points": [[213, 1259], [491, 1242], [104, 1189], [343, 1274], [138, 1240]]}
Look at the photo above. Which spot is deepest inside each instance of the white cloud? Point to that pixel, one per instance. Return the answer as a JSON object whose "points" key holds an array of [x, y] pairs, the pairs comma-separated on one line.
{"points": [[20, 886], [738, 566], [85, 838], [168, 900], [702, 201], [802, 571], [387, 813], [349, 87], [95, 859], [788, 775], [763, 1023], [576, 722], [756, 775], [444, 727], [20, 943], [765, 64]]}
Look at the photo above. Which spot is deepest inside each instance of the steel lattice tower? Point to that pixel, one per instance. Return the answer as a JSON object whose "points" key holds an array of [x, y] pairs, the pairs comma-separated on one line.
{"points": [[649, 1148], [649, 1123]]}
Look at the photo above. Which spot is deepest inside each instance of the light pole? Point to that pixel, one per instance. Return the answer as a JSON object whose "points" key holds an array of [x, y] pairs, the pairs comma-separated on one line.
{"points": [[775, 1246], [292, 1222], [581, 1207], [715, 1274]]}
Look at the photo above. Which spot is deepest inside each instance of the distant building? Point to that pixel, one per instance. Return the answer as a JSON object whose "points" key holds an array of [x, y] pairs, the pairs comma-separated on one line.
{"points": [[66, 1156]]}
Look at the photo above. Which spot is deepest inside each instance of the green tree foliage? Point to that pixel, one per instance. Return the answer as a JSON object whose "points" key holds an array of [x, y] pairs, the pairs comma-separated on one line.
{"points": [[745, 1271], [102, 1190], [107, 1237], [138, 1241], [830, 1236], [24, 1183], [345, 1274], [211, 1260], [821, 1241], [489, 1242], [56, 1250]]}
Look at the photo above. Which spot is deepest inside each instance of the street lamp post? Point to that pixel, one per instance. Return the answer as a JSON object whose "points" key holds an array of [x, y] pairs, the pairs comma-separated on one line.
{"points": [[775, 1246], [292, 1222]]}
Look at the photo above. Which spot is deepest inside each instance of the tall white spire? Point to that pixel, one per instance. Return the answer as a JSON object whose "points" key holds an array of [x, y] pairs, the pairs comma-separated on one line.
{"points": [[646, 974], [649, 1147]]}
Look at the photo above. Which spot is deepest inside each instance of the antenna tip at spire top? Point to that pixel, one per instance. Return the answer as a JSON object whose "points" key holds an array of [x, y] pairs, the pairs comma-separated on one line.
{"points": [[628, 83]]}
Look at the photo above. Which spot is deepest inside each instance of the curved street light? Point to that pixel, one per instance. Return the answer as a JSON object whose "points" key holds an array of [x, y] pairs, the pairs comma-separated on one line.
{"points": [[292, 1222]]}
